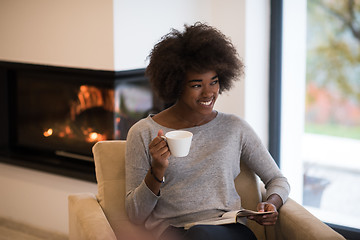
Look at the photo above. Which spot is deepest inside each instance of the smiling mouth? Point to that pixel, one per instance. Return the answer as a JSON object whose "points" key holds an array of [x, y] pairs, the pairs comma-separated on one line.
{"points": [[207, 103]]}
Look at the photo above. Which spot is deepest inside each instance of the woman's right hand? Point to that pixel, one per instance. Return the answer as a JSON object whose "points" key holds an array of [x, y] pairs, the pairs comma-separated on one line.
{"points": [[159, 152]]}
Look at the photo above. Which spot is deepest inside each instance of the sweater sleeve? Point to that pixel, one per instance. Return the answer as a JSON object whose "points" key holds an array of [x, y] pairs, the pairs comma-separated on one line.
{"points": [[257, 157], [140, 200]]}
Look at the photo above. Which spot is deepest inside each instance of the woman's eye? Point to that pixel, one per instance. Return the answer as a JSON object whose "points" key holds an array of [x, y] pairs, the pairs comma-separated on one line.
{"points": [[215, 82], [196, 86]]}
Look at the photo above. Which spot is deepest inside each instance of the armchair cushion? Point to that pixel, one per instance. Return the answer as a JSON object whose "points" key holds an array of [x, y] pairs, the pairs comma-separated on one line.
{"points": [[87, 220]]}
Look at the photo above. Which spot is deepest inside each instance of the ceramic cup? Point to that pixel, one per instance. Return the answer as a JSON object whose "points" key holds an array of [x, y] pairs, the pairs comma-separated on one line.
{"points": [[179, 142]]}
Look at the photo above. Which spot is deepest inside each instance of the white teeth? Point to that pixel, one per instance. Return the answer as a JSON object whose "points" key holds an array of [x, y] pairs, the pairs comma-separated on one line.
{"points": [[206, 103]]}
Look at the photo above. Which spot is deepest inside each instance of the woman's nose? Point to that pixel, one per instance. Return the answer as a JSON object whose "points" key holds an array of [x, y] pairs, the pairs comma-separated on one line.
{"points": [[208, 91]]}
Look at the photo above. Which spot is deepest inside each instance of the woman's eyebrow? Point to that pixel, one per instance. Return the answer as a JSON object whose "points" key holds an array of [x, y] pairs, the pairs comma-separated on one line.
{"points": [[195, 80]]}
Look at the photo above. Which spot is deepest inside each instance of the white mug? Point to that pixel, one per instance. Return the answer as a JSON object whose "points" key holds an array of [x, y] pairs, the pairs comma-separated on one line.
{"points": [[179, 142]]}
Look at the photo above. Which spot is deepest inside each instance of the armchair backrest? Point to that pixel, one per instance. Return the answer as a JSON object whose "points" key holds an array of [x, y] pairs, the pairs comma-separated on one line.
{"points": [[109, 157]]}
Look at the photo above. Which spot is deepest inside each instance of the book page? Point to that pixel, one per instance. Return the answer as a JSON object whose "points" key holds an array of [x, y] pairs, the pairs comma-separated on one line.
{"points": [[231, 214], [226, 218], [246, 212]]}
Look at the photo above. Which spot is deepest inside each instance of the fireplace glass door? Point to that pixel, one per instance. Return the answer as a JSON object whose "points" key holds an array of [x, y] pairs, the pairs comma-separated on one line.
{"points": [[63, 114]]}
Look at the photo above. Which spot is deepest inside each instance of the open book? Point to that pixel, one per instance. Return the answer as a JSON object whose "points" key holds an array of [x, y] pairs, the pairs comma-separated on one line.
{"points": [[227, 218]]}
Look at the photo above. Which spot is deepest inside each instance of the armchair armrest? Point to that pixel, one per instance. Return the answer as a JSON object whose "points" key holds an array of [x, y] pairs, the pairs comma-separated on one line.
{"points": [[87, 219], [295, 222]]}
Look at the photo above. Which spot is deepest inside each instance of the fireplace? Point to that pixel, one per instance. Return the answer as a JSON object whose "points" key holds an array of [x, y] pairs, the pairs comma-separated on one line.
{"points": [[53, 116]]}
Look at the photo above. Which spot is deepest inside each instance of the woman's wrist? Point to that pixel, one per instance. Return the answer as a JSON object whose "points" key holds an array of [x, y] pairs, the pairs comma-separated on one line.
{"points": [[154, 184], [160, 180], [276, 200]]}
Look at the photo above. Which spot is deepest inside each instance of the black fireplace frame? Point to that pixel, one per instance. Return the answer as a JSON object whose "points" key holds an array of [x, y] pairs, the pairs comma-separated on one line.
{"points": [[43, 161]]}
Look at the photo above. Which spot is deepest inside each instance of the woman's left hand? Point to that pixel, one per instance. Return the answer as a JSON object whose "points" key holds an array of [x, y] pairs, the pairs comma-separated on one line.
{"points": [[267, 219]]}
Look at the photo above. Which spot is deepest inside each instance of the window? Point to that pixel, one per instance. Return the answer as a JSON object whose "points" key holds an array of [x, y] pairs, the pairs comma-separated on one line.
{"points": [[331, 141], [320, 108]]}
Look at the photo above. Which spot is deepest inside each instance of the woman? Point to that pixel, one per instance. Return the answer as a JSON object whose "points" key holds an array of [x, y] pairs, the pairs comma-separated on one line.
{"points": [[190, 69]]}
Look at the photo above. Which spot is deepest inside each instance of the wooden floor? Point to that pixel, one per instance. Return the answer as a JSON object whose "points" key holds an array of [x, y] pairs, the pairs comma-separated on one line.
{"points": [[10, 230]]}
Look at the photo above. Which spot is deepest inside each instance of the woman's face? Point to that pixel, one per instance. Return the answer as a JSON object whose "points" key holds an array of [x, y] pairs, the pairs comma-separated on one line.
{"points": [[200, 91]]}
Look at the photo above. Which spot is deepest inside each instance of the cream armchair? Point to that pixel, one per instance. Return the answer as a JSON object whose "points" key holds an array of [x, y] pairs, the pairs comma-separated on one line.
{"points": [[103, 216]]}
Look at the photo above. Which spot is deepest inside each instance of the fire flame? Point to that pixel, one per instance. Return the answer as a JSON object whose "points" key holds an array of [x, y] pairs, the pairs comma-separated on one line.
{"points": [[88, 97], [48, 132], [91, 96], [90, 134], [95, 137]]}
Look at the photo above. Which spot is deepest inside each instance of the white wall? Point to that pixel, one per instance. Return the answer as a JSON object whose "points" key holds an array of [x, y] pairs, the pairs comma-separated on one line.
{"points": [[257, 46], [138, 25], [293, 91], [118, 35], [73, 33]]}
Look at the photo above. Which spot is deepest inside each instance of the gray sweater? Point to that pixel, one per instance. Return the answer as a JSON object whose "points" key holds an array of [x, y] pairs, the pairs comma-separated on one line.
{"points": [[200, 185]]}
